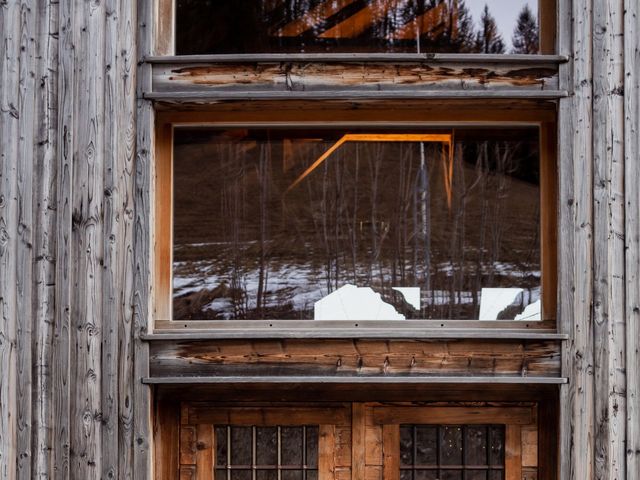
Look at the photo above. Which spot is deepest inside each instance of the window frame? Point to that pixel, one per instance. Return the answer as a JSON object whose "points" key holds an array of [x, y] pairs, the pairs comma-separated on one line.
{"points": [[163, 226], [166, 28]]}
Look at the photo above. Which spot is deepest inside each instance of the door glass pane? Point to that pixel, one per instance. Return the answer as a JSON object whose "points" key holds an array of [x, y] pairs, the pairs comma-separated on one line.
{"points": [[278, 452], [316, 26], [358, 225], [453, 452]]}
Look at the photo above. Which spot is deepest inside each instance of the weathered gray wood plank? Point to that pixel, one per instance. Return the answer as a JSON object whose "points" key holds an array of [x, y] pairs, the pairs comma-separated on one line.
{"points": [[61, 386], [632, 231], [87, 243], [112, 309], [45, 126], [608, 227], [581, 396], [9, 239], [566, 264], [25, 240], [126, 101], [143, 242]]}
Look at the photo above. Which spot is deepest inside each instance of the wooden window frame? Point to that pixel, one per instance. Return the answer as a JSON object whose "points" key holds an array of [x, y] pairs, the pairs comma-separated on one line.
{"points": [[442, 114], [166, 12], [196, 438], [514, 418]]}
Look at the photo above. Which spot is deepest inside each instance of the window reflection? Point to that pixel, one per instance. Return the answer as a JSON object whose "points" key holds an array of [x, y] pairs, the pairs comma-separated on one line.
{"points": [[267, 225], [315, 26]]}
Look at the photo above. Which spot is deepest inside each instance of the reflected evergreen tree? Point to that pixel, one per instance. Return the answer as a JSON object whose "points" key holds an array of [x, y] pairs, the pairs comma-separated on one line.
{"points": [[488, 38], [463, 39], [525, 36]]}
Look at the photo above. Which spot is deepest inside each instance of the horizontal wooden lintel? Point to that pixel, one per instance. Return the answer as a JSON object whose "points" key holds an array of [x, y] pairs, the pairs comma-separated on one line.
{"points": [[231, 333], [474, 58], [354, 94], [351, 380]]}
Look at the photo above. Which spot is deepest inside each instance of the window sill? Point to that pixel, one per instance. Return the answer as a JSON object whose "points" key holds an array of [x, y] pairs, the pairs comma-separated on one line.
{"points": [[369, 329]]}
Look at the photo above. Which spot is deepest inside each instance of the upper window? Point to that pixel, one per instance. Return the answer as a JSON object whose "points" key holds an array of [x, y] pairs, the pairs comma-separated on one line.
{"points": [[330, 26], [358, 224]]}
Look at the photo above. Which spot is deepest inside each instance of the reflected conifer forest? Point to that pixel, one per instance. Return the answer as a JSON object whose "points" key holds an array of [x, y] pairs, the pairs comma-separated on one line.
{"points": [[331, 26], [329, 225]]}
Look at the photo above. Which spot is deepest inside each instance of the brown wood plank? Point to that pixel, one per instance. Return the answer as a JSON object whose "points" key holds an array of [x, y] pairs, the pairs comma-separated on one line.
{"points": [[452, 415], [373, 440], [187, 472], [513, 452], [358, 440], [168, 440], [327, 452], [261, 416], [391, 452], [187, 445], [205, 452]]}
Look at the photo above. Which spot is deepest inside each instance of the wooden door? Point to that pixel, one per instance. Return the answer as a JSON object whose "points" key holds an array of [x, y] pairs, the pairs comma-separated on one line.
{"points": [[354, 441]]}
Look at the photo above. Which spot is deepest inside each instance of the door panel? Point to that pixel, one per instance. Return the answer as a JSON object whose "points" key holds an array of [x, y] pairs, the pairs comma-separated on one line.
{"points": [[352, 441]]}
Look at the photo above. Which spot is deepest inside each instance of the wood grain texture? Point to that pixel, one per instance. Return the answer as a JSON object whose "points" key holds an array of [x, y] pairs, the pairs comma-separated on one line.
{"points": [[580, 395], [9, 240], [45, 125], [513, 452], [632, 231], [358, 440], [608, 230], [344, 357], [391, 452], [327, 452], [142, 238], [336, 76]]}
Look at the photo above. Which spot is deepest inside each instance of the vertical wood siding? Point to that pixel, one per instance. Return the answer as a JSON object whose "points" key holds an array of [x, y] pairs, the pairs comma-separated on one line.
{"points": [[76, 205], [599, 233], [67, 166]]}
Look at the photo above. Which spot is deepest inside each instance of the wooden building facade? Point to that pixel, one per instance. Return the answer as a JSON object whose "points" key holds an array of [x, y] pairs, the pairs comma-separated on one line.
{"points": [[99, 379]]}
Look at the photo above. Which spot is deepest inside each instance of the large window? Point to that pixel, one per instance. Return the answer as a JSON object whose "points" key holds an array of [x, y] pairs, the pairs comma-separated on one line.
{"points": [[327, 26], [357, 224]]}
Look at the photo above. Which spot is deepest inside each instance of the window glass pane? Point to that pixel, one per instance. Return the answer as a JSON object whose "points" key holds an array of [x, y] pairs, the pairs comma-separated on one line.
{"points": [[315, 26], [357, 225]]}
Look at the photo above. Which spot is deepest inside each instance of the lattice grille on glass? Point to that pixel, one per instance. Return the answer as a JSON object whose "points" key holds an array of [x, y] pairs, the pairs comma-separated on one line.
{"points": [[266, 453], [452, 452]]}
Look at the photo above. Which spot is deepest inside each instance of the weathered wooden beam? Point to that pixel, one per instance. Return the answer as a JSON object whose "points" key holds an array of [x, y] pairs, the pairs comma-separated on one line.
{"points": [[231, 380], [338, 76], [474, 58], [346, 357], [406, 94], [360, 333]]}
